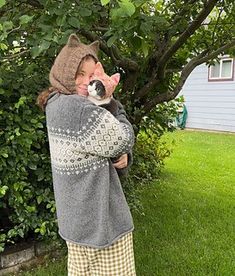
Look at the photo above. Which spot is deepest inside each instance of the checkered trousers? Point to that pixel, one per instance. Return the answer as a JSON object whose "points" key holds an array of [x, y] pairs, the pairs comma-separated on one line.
{"points": [[115, 260]]}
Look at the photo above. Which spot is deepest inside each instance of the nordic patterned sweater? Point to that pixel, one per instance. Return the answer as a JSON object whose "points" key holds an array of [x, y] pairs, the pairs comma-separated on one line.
{"points": [[90, 203]]}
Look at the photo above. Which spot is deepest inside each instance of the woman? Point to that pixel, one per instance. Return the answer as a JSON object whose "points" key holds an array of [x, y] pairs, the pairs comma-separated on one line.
{"points": [[93, 216]]}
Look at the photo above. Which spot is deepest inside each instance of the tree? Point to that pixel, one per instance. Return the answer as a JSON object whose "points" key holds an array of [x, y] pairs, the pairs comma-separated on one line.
{"points": [[154, 44]]}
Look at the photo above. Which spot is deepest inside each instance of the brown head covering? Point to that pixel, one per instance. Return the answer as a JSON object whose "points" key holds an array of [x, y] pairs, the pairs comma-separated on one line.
{"points": [[63, 71]]}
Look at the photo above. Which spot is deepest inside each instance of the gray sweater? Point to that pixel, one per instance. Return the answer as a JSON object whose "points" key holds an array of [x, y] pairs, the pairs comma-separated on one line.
{"points": [[90, 203]]}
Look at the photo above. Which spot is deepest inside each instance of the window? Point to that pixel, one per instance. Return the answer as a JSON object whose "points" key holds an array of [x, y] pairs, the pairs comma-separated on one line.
{"points": [[222, 70]]}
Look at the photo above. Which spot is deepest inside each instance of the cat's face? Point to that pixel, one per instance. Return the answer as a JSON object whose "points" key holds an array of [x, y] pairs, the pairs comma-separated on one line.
{"points": [[96, 89]]}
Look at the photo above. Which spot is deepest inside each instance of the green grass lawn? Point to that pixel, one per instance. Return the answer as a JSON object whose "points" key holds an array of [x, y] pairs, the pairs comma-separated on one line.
{"points": [[188, 225], [189, 222]]}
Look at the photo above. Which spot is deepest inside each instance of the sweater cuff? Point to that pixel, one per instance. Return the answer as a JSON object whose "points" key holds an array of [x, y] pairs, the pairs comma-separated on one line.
{"points": [[124, 171]]}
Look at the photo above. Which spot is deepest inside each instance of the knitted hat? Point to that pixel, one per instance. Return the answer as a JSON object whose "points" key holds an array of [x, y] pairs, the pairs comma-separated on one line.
{"points": [[63, 71]]}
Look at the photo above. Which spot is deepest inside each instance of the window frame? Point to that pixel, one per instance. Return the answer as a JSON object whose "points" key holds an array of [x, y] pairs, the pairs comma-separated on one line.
{"points": [[230, 78]]}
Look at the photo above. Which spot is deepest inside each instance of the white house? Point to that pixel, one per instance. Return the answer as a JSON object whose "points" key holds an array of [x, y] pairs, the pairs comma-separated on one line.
{"points": [[209, 94]]}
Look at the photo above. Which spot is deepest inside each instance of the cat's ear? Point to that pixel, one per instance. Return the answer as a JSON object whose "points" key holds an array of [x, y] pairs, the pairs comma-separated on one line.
{"points": [[73, 41], [99, 70], [115, 78], [95, 46]]}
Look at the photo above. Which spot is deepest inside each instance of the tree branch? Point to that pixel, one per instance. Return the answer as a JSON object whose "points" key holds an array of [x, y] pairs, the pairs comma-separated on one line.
{"points": [[182, 12], [34, 3], [201, 58], [170, 95], [215, 53], [216, 24], [2, 12], [6, 58], [184, 36], [174, 70], [167, 7], [164, 57], [13, 30], [147, 87], [99, 29], [125, 63]]}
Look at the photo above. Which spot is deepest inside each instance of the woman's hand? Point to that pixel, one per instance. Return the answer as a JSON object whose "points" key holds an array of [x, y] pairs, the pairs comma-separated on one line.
{"points": [[121, 162]]}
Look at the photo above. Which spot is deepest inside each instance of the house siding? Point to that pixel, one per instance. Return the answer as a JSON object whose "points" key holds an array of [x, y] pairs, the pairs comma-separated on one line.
{"points": [[210, 105]]}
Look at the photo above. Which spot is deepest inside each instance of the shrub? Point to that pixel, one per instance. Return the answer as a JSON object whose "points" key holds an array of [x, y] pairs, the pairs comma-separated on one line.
{"points": [[149, 153], [150, 150], [27, 204]]}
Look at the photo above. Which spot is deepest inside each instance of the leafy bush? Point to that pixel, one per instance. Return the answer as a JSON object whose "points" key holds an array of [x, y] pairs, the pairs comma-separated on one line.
{"points": [[149, 153], [150, 150], [27, 204]]}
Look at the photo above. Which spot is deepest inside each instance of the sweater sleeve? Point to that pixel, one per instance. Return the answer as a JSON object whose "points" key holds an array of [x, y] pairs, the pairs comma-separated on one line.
{"points": [[104, 135]]}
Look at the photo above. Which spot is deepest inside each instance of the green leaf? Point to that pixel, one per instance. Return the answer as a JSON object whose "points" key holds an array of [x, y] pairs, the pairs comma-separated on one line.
{"points": [[74, 22], [31, 209], [24, 19], [3, 190], [2, 3], [45, 45], [3, 46], [1, 247], [40, 174], [11, 233], [32, 166], [19, 186], [35, 51], [85, 12], [33, 121], [43, 228], [5, 155], [145, 48], [7, 25], [39, 199], [136, 42], [21, 233], [115, 14], [127, 7], [104, 2], [39, 125], [17, 131], [60, 21], [111, 40], [2, 237], [21, 101]]}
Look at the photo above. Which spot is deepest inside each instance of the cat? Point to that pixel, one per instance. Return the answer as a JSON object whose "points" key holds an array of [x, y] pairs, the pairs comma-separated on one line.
{"points": [[102, 85]]}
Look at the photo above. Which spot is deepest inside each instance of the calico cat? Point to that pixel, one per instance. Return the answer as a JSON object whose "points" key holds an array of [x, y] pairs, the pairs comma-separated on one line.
{"points": [[101, 86], [96, 94]]}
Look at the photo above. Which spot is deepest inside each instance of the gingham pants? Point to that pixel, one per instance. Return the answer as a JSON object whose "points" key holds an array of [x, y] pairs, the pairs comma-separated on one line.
{"points": [[115, 260]]}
